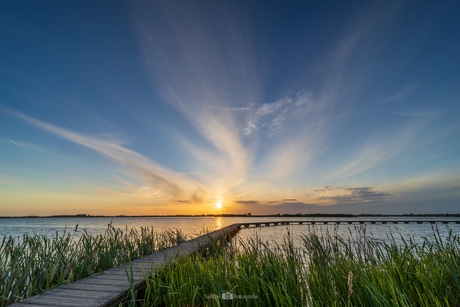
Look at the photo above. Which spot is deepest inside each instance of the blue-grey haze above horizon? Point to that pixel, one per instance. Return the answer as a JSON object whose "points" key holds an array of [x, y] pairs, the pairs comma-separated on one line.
{"points": [[197, 107]]}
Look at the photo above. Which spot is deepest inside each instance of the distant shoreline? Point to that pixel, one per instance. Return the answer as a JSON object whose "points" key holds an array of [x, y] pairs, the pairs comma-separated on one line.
{"points": [[236, 215]]}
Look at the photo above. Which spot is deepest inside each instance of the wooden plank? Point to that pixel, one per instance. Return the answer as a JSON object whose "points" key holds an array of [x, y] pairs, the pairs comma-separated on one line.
{"points": [[30, 304], [79, 294], [52, 299], [89, 282], [91, 287], [108, 282], [123, 272]]}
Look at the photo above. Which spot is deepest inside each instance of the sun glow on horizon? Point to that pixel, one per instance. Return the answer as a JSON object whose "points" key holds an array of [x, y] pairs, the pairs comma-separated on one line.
{"points": [[219, 204]]}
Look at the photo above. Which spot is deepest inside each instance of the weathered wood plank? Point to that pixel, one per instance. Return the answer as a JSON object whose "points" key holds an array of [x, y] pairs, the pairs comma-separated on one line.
{"points": [[52, 299], [92, 288], [79, 294], [108, 282], [30, 304]]}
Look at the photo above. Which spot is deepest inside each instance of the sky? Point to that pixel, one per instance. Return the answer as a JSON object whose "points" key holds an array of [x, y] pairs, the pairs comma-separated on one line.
{"points": [[208, 107]]}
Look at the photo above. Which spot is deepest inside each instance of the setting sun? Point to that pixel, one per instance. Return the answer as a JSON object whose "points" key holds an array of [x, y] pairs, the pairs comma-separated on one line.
{"points": [[219, 205]]}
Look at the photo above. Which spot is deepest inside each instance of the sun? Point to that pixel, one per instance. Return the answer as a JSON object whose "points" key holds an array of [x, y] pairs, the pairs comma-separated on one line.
{"points": [[219, 204]]}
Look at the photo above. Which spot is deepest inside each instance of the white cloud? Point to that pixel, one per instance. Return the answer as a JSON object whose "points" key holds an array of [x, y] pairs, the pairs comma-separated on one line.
{"points": [[206, 78], [152, 174]]}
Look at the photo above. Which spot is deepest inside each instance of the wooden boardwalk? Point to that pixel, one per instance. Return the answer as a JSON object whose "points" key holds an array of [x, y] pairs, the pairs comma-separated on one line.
{"points": [[113, 286], [349, 222]]}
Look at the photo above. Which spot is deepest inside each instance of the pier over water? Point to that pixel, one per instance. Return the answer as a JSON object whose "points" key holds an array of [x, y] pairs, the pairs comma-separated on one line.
{"points": [[345, 222]]}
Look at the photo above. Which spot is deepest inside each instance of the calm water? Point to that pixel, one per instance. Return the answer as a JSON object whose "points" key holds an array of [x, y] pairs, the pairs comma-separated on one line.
{"points": [[193, 226]]}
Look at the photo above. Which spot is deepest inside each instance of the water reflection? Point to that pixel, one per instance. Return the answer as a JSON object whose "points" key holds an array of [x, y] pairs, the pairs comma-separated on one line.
{"points": [[219, 222]]}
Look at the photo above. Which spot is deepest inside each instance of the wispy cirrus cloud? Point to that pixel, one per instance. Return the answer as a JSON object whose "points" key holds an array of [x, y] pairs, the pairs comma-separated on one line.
{"points": [[403, 93], [420, 113], [272, 119], [293, 132], [378, 149], [17, 144], [165, 181], [202, 60], [204, 77], [215, 85]]}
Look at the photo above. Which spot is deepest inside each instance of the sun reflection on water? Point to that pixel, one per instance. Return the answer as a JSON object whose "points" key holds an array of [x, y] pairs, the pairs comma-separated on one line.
{"points": [[219, 222]]}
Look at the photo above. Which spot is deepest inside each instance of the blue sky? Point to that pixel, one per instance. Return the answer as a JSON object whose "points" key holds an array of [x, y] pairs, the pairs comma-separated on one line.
{"points": [[168, 107]]}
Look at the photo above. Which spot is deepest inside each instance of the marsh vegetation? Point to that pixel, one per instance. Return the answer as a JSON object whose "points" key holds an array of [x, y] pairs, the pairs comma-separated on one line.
{"points": [[327, 270], [33, 264], [324, 270]]}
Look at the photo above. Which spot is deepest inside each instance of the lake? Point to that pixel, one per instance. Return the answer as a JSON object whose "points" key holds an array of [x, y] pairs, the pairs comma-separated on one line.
{"points": [[194, 226]]}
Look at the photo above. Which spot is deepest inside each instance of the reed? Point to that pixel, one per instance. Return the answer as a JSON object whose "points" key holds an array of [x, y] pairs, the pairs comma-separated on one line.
{"points": [[34, 264], [326, 270], [384, 273]]}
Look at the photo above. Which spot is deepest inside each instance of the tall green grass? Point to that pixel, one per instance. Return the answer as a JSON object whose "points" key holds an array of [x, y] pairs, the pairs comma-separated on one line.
{"points": [[327, 270], [34, 264], [367, 272]]}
